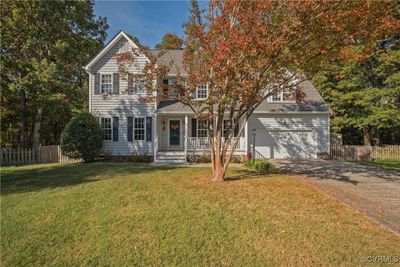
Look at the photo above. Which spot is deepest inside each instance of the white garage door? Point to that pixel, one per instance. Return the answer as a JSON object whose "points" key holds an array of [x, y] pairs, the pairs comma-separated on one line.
{"points": [[286, 144]]}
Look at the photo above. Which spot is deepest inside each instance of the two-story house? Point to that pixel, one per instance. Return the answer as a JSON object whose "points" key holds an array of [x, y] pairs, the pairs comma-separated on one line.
{"points": [[169, 132]]}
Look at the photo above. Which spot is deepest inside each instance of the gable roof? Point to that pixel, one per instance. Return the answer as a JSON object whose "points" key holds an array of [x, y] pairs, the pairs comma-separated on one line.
{"points": [[108, 46], [171, 56]]}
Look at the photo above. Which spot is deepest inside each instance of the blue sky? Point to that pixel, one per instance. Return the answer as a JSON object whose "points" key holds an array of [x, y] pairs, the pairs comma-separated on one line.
{"points": [[147, 20]]}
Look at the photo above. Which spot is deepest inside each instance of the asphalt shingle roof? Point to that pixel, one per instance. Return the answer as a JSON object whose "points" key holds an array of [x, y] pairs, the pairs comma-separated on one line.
{"points": [[312, 101]]}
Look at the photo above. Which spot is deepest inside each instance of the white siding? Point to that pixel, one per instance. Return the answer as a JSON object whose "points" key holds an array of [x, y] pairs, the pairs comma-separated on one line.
{"points": [[122, 146], [311, 127], [122, 105]]}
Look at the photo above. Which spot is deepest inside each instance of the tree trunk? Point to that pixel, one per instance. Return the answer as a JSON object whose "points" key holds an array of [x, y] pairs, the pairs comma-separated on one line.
{"points": [[24, 122], [36, 127], [222, 156], [219, 172], [367, 139]]}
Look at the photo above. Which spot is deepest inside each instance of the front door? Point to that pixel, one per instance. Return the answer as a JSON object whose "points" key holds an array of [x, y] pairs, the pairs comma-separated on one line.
{"points": [[174, 133]]}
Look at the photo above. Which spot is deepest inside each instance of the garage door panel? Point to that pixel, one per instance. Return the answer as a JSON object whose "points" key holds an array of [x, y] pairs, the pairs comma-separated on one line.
{"points": [[286, 144]]}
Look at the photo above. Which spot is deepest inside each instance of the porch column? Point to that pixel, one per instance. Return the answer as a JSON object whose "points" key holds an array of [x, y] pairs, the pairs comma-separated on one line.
{"points": [[186, 133], [155, 133], [246, 132]]}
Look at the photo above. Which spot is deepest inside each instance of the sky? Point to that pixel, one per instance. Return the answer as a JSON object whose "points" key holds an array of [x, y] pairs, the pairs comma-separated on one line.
{"points": [[147, 20]]}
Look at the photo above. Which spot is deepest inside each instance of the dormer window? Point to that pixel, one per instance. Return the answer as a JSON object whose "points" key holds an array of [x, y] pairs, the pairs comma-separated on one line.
{"points": [[201, 91], [281, 96]]}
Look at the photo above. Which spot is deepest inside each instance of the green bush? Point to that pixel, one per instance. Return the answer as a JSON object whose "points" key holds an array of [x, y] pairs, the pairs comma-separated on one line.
{"points": [[259, 165], [82, 138], [203, 159], [139, 158]]}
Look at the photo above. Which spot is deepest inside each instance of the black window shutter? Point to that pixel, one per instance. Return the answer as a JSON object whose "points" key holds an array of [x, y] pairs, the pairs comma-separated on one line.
{"points": [[97, 84], [149, 127], [194, 127], [165, 87], [115, 128], [236, 130], [130, 83], [130, 129], [116, 83]]}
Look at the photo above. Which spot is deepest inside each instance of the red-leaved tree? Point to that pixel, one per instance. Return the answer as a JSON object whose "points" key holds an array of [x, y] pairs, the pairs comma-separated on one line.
{"points": [[246, 51]]}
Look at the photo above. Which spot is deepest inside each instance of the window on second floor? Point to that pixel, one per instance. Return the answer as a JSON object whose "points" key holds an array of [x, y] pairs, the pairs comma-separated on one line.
{"points": [[123, 48], [105, 124], [202, 128], [282, 96], [106, 83], [139, 87], [201, 91]]}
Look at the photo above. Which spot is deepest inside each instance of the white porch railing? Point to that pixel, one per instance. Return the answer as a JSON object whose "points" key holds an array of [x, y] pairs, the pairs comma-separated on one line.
{"points": [[203, 143]]}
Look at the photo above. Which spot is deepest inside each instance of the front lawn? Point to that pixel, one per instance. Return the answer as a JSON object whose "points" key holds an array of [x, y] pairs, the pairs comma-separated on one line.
{"points": [[127, 214], [390, 164]]}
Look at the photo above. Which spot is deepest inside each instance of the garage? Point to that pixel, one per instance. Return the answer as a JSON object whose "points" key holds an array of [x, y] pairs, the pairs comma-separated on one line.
{"points": [[281, 136], [281, 144]]}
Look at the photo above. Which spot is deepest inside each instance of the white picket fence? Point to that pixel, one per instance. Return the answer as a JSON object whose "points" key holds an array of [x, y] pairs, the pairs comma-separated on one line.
{"points": [[44, 154]]}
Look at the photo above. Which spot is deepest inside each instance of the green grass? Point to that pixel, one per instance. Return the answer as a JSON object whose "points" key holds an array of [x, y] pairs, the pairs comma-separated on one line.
{"points": [[389, 164], [130, 214]]}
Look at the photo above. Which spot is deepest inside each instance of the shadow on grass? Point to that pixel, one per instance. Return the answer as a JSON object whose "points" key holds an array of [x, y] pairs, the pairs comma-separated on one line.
{"points": [[245, 174], [36, 178]]}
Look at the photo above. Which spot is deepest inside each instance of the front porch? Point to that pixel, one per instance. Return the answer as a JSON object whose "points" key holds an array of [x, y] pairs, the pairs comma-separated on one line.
{"points": [[179, 136]]}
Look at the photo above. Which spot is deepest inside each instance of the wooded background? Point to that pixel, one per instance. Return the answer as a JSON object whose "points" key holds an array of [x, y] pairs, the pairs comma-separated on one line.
{"points": [[43, 85]]}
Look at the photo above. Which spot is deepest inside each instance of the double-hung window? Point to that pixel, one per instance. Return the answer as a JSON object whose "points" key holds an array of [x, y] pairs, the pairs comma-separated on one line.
{"points": [[106, 84], [201, 91], [140, 87], [225, 127], [277, 97], [107, 129], [139, 129], [282, 96], [202, 128]]}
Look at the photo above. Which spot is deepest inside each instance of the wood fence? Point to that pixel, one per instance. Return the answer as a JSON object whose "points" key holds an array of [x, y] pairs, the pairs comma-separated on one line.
{"points": [[44, 154], [365, 153]]}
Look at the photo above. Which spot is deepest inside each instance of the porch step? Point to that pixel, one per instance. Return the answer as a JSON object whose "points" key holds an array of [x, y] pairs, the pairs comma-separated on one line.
{"points": [[170, 153], [171, 157]]}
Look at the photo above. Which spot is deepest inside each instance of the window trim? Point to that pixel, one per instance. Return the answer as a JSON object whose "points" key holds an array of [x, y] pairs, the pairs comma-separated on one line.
{"points": [[197, 128], [103, 129], [280, 94], [101, 82], [224, 130], [138, 82], [197, 91], [123, 45], [144, 128]]}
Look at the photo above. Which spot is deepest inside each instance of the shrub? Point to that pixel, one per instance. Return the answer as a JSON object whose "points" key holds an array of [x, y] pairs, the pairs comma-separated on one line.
{"points": [[259, 165], [82, 138], [203, 159], [139, 158], [236, 159]]}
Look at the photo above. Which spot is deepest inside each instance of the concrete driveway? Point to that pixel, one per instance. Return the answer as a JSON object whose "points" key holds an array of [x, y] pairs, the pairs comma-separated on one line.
{"points": [[370, 190]]}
